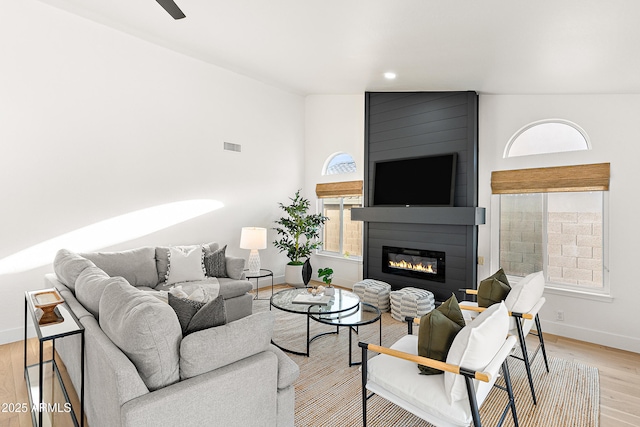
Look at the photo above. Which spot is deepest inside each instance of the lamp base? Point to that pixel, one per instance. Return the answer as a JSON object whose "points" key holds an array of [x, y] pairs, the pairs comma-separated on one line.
{"points": [[254, 262]]}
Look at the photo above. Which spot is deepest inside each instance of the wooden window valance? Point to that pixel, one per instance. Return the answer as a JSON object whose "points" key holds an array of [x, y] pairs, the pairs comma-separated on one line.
{"points": [[339, 189], [594, 177]]}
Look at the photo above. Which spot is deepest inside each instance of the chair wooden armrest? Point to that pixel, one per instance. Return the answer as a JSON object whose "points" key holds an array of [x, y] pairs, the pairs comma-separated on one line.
{"points": [[481, 309], [471, 291], [436, 364]]}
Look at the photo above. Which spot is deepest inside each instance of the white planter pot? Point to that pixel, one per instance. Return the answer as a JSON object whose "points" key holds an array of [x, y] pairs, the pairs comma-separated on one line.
{"points": [[293, 275]]}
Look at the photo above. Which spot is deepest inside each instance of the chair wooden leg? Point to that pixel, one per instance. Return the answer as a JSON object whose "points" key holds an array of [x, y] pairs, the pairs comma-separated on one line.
{"points": [[507, 381], [544, 351], [525, 358]]}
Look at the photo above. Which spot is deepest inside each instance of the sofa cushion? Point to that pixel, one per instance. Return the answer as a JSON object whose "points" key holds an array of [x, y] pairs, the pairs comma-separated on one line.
{"points": [[68, 266], [90, 285], [137, 266], [475, 346], [185, 264], [162, 259], [493, 289], [437, 330], [230, 288], [212, 348], [215, 262], [145, 329]]}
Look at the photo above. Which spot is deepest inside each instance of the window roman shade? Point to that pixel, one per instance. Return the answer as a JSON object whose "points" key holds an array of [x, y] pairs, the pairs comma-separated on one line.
{"points": [[339, 189], [594, 177]]}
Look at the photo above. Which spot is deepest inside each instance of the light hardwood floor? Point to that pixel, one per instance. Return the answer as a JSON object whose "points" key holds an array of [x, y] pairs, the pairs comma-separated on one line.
{"points": [[619, 379]]}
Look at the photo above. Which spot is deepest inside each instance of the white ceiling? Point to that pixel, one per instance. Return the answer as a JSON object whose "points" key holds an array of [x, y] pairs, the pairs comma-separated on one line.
{"points": [[344, 46]]}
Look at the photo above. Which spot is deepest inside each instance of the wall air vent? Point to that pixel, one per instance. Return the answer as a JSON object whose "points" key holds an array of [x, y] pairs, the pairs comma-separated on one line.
{"points": [[229, 146]]}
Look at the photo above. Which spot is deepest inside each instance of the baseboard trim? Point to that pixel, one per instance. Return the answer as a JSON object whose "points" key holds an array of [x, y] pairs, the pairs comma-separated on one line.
{"points": [[608, 339], [16, 334]]}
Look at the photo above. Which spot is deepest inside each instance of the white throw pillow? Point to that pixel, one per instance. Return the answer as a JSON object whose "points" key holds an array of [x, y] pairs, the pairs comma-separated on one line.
{"points": [[526, 293], [475, 346], [186, 263]]}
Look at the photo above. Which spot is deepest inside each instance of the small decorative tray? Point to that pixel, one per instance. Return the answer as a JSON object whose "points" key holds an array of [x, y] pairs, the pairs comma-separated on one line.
{"points": [[47, 301]]}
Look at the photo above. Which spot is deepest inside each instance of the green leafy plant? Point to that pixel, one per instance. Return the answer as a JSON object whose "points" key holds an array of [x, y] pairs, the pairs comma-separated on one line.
{"points": [[299, 230], [326, 274]]}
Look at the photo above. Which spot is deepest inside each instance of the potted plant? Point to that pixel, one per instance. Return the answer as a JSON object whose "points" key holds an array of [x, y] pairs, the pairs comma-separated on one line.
{"points": [[299, 232], [326, 274]]}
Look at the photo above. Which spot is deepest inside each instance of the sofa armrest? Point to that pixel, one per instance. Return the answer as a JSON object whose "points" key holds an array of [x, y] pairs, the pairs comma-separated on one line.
{"points": [[235, 268], [212, 348], [288, 370]]}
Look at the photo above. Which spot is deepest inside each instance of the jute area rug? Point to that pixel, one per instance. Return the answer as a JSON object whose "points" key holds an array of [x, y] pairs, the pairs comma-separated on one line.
{"points": [[328, 391]]}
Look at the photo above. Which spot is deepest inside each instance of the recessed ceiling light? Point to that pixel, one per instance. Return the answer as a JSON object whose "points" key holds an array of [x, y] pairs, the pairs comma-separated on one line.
{"points": [[389, 75]]}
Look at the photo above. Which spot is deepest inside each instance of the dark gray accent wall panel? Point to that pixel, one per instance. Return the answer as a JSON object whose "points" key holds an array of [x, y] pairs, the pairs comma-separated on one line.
{"points": [[410, 124]]}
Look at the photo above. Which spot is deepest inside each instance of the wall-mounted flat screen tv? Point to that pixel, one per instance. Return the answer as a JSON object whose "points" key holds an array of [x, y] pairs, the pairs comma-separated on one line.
{"points": [[416, 181]]}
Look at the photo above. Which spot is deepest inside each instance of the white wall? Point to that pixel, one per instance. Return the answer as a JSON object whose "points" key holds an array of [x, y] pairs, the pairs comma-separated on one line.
{"points": [[95, 123], [611, 123], [333, 123]]}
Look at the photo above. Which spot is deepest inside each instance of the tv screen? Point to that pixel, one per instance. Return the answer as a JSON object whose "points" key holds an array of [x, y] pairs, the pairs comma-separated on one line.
{"points": [[418, 181]]}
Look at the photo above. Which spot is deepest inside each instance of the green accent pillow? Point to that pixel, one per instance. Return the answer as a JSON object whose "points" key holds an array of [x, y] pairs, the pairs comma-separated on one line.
{"points": [[437, 330], [493, 289]]}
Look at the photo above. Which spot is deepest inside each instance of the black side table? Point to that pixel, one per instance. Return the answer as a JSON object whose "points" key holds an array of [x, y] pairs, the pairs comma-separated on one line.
{"points": [[259, 275], [67, 324]]}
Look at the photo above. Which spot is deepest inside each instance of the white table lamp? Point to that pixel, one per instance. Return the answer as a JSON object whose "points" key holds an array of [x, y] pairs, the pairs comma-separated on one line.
{"points": [[253, 238]]}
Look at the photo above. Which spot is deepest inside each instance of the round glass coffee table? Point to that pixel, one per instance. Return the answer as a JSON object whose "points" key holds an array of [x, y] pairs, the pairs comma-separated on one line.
{"points": [[288, 300], [362, 314]]}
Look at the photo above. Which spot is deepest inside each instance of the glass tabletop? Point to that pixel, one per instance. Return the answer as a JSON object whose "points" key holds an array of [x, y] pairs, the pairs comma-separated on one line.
{"points": [[68, 324], [341, 301], [362, 314]]}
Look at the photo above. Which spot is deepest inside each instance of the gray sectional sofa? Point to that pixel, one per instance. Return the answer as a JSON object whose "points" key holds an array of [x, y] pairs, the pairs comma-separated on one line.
{"points": [[141, 371]]}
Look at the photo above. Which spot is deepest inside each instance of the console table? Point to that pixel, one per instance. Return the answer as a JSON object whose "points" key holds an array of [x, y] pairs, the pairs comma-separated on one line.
{"points": [[66, 325]]}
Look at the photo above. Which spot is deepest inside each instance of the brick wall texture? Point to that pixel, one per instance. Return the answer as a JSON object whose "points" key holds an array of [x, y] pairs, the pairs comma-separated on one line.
{"points": [[352, 239], [574, 246]]}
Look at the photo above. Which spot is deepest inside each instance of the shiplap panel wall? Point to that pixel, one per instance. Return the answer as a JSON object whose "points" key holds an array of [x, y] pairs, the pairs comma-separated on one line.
{"points": [[410, 124]]}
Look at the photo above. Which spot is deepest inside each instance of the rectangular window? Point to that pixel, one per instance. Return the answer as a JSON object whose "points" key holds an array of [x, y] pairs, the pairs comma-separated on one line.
{"points": [[341, 235], [560, 233]]}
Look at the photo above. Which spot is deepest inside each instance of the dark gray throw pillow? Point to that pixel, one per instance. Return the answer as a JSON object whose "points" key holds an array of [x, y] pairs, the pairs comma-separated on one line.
{"points": [[211, 314], [185, 310], [215, 262]]}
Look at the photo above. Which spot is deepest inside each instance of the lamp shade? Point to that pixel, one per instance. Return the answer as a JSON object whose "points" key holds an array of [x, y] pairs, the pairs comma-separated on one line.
{"points": [[253, 238]]}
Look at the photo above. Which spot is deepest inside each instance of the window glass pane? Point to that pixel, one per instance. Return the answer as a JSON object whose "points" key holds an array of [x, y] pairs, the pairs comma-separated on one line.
{"points": [[340, 163], [521, 233], [331, 229], [547, 137], [575, 238], [352, 230]]}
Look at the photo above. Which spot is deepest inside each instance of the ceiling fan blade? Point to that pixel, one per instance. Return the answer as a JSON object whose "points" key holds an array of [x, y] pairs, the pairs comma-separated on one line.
{"points": [[172, 8]]}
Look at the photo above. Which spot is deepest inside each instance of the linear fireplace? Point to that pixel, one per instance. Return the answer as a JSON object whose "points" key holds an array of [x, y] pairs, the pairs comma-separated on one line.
{"points": [[418, 263]]}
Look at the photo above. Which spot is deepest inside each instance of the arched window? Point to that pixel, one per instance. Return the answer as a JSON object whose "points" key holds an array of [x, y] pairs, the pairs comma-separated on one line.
{"points": [[547, 136], [339, 163]]}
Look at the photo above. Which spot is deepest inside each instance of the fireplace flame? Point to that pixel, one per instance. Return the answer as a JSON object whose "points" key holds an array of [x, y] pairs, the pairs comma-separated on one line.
{"points": [[414, 267]]}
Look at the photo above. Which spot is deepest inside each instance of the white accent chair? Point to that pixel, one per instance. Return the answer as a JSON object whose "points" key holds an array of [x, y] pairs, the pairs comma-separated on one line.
{"points": [[452, 399], [523, 306]]}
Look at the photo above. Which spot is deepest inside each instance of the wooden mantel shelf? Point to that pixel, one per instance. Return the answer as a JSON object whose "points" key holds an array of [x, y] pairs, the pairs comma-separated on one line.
{"points": [[421, 215]]}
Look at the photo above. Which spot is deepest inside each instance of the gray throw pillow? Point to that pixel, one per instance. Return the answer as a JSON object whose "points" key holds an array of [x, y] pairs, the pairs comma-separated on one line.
{"points": [[210, 315], [195, 316], [215, 262], [185, 309]]}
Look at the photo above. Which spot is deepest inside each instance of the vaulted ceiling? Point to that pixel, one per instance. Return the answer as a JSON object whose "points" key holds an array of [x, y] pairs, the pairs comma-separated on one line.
{"points": [[345, 46]]}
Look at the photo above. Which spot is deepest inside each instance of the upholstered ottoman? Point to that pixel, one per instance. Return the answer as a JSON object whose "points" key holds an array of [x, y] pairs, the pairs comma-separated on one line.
{"points": [[412, 302], [373, 292]]}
